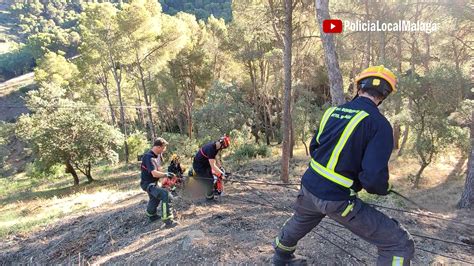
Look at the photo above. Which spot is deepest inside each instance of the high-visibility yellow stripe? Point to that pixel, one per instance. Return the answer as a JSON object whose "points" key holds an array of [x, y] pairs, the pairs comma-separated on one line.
{"points": [[149, 214], [325, 118], [164, 211], [281, 246], [331, 175], [347, 209], [397, 261], [344, 137]]}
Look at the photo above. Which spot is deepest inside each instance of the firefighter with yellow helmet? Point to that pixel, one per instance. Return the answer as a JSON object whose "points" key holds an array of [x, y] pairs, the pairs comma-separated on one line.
{"points": [[349, 152]]}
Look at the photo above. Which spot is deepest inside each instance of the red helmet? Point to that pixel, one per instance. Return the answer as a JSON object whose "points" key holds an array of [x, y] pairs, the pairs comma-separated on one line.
{"points": [[225, 141]]}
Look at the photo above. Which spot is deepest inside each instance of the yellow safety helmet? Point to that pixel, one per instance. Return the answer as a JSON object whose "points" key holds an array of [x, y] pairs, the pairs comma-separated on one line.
{"points": [[380, 72], [175, 157]]}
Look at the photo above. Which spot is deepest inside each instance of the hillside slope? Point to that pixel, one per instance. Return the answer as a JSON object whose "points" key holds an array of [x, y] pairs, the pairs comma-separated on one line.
{"points": [[238, 228]]}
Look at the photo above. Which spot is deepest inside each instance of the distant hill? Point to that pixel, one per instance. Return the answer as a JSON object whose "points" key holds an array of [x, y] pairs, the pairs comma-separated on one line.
{"points": [[202, 9]]}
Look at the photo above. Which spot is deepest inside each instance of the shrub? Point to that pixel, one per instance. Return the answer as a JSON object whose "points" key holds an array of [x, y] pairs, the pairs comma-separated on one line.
{"points": [[247, 151], [137, 144]]}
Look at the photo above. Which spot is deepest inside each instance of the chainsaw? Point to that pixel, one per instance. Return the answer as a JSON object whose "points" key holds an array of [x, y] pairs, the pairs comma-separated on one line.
{"points": [[219, 181]]}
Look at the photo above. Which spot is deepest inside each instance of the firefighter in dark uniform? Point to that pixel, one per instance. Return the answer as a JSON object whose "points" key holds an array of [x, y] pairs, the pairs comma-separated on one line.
{"points": [[151, 175], [349, 152], [205, 164]]}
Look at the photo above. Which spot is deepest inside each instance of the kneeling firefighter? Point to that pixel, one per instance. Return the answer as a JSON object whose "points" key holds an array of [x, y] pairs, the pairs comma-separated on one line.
{"points": [[206, 166], [151, 175]]}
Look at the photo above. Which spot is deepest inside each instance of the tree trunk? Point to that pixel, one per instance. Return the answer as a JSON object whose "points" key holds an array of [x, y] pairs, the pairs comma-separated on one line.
{"points": [[70, 170], [267, 123], [421, 155], [287, 41], [419, 173], [269, 114], [427, 56], [382, 48], [89, 177], [404, 141], [147, 100], [141, 118], [253, 79], [396, 136], [85, 170], [105, 86], [368, 36], [305, 147], [88, 173], [330, 55], [292, 136], [397, 127], [117, 73], [188, 113], [467, 197]]}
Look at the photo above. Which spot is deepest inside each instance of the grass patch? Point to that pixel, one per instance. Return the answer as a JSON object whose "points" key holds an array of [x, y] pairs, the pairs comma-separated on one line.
{"points": [[27, 203]]}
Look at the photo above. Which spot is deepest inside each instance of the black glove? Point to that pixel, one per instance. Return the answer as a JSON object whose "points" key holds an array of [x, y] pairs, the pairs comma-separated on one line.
{"points": [[170, 174]]}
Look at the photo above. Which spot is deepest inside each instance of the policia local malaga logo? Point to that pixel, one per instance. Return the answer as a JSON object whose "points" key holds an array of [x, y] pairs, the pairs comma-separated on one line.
{"points": [[401, 25], [337, 26]]}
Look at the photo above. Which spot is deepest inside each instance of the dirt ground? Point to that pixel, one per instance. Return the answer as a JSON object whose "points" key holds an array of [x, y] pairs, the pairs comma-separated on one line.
{"points": [[238, 228]]}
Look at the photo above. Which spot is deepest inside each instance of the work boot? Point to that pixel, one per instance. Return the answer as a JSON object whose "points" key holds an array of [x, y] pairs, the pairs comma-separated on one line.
{"points": [[154, 217], [284, 259], [170, 223], [210, 198]]}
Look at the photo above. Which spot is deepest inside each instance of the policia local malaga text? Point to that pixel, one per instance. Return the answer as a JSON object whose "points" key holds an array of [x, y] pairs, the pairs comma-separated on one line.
{"points": [[401, 25]]}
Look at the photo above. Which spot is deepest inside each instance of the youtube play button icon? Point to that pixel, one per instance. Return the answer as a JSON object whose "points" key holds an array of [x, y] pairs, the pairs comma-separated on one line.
{"points": [[332, 26]]}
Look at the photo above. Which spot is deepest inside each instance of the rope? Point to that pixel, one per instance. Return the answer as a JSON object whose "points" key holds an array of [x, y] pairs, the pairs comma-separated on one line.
{"points": [[372, 204], [252, 182], [441, 240], [263, 183], [345, 251], [269, 204], [421, 214], [417, 235], [348, 242], [288, 211], [433, 252], [446, 256]]}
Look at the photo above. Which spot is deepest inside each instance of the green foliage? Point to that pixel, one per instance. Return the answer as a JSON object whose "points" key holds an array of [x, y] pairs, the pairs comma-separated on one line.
{"points": [[189, 75], [461, 120], [6, 130], [433, 97], [137, 144], [54, 22], [16, 62], [60, 135], [223, 111], [100, 34], [42, 26], [181, 145], [306, 115], [154, 37], [55, 69], [37, 170], [202, 9], [248, 151]]}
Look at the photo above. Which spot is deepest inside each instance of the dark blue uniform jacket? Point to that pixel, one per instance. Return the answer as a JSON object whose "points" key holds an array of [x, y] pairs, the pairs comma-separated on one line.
{"points": [[363, 159], [146, 167], [201, 159]]}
